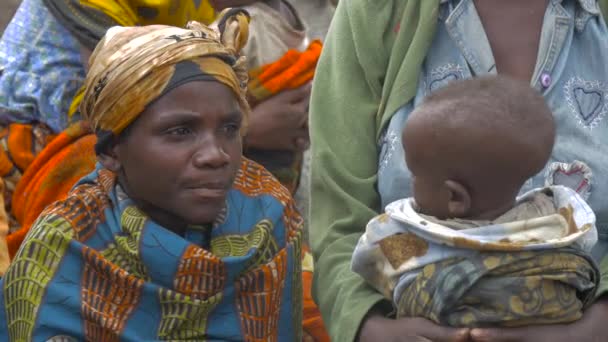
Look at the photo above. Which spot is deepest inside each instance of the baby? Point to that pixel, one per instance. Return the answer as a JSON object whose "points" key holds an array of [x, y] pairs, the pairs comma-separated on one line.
{"points": [[465, 251]]}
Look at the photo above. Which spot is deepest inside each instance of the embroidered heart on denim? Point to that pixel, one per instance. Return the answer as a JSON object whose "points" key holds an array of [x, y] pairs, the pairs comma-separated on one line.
{"points": [[587, 100], [589, 103], [441, 76], [443, 81], [576, 175]]}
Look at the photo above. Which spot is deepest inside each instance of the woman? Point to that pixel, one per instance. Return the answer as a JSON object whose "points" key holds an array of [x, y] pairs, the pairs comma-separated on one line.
{"points": [[174, 235], [371, 76], [43, 54]]}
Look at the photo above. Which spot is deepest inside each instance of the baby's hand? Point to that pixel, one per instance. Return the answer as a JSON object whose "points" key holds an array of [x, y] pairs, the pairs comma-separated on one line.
{"points": [[379, 328]]}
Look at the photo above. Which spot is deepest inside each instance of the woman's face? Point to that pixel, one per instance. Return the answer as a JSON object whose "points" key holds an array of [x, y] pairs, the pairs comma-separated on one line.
{"points": [[179, 159]]}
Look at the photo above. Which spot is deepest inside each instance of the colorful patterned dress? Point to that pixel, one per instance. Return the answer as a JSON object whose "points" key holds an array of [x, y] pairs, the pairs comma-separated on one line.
{"points": [[95, 268]]}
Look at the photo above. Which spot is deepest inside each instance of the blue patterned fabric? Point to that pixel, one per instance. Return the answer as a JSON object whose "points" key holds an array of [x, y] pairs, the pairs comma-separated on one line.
{"points": [[41, 68], [96, 268]]}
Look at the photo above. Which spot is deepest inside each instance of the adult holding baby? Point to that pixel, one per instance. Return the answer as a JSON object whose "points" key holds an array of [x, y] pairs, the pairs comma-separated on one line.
{"points": [[371, 77]]}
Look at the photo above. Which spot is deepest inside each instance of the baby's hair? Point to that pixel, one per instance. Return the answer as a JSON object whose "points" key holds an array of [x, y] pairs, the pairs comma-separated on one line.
{"points": [[486, 132], [513, 103]]}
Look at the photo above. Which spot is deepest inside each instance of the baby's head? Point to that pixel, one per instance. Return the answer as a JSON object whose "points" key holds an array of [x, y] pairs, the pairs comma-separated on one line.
{"points": [[471, 146]]}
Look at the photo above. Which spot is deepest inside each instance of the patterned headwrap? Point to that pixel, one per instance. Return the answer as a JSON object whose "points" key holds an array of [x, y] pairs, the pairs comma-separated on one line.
{"points": [[134, 66]]}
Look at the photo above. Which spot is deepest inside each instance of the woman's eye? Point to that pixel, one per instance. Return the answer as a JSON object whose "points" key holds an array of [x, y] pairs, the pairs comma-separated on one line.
{"points": [[179, 131], [232, 128]]}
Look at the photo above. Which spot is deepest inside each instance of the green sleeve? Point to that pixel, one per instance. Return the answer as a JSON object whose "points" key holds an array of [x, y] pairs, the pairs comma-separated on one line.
{"points": [[604, 8], [344, 164], [368, 69], [603, 287]]}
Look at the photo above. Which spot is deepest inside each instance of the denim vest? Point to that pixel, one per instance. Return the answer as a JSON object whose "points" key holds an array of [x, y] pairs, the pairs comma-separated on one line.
{"points": [[571, 73]]}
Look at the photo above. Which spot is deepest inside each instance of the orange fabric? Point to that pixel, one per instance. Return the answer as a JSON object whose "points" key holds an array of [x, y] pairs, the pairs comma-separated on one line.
{"points": [[291, 71], [302, 79], [266, 72], [20, 145], [289, 79], [49, 178], [6, 165], [312, 322]]}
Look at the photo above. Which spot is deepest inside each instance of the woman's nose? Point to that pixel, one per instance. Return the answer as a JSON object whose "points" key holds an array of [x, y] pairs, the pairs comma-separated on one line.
{"points": [[210, 154]]}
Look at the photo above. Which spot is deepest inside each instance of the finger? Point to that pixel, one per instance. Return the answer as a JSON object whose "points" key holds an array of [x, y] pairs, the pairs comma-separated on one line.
{"points": [[292, 117], [303, 121], [292, 120], [414, 338], [302, 144], [300, 107], [504, 335], [442, 334], [487, 335], [302, 133], [439, 333], [298, 95]]}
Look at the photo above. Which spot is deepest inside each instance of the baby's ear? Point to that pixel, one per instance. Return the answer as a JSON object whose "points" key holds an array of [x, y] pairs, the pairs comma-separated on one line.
{"points": [[459, 204]]}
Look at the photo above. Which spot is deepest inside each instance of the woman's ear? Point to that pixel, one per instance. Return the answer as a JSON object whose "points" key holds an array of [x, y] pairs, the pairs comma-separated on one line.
{"points": [[459, 204], [109, 159]]}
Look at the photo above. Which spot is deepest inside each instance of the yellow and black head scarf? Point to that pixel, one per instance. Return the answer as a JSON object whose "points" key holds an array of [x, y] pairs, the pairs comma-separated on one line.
{"points": [[133, 66]]}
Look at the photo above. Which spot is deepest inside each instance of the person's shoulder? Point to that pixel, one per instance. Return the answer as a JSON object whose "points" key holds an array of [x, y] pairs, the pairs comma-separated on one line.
{"points": [[82, 209], [257, 184], [375, 16]]}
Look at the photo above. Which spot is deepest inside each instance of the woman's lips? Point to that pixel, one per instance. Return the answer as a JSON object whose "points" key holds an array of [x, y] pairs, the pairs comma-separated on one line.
{"points": [[209, 191]]}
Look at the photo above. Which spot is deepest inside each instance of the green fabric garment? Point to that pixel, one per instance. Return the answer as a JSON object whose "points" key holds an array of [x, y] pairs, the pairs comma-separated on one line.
{"points": [[604, 7], [372, 55], [369, 68]]}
